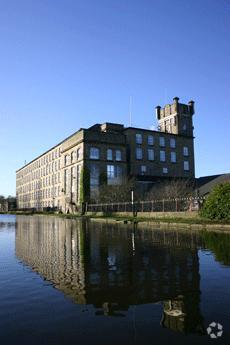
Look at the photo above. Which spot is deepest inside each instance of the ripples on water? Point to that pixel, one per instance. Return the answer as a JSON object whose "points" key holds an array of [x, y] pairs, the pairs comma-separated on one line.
{"points": [[68, 281]]}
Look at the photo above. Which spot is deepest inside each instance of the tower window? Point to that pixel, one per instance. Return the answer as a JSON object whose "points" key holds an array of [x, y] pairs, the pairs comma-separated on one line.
{"points": [[165, 170]]}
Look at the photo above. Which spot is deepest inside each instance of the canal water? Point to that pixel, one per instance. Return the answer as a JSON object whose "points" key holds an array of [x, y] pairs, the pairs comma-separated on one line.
{"points": [[84, 282]]}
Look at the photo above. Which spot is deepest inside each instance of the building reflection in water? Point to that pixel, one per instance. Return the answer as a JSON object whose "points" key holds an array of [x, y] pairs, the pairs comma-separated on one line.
{"points": [[114, 266]]}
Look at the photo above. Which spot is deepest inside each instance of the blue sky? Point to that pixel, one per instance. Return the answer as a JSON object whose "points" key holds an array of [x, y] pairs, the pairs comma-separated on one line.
{"points": [[66, 64]]}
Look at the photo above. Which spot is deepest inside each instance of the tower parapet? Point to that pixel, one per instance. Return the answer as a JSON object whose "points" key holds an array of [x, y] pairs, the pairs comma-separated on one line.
{"points": [[176, 118]]}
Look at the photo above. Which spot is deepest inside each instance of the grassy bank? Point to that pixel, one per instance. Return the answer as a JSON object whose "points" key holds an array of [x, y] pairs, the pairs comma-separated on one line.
{"points": [[162, 219]]}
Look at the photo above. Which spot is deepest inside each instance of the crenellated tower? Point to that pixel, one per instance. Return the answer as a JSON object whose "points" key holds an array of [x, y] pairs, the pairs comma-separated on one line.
{"points": [[176, 118]]}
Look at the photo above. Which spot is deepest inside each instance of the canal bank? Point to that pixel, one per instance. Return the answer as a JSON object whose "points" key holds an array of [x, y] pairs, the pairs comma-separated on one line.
{"points": [[181, 220]]}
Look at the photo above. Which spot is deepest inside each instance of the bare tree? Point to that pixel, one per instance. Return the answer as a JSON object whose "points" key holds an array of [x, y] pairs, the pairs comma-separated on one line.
{"points": [[170, 189], [116, 193]]}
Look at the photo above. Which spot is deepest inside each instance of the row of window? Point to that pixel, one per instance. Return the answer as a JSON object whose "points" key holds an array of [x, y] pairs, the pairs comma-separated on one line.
{"points": [[51, 168], [143, 168], [94, 153], [47, 181], [151, 154], [42, 204], [44, 194], [73, 157], [40, 162], [151, 140], [114, 174]]}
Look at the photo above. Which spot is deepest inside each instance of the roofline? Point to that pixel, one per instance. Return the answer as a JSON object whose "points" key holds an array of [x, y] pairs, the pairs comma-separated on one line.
{"points": [[61, 142], [125, 129], [163, 133]]}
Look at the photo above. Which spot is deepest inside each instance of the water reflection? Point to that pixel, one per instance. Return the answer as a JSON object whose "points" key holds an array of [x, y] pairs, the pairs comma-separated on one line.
{"points": [[115, 266]]}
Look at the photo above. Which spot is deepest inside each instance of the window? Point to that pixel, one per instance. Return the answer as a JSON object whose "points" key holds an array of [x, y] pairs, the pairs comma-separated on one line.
{"points": [[185, 150], [110, 171], [94, 175], [150, 140], [138, 138], [72, 157], [94, 153], [162, 156], [139, 153], [150, 154], [109, 155], [114, 174], [172, 143], [65, 160], [65, 180], [118, 155], [143, 169], [78, 153], [162, 141], [173, 157], [165, 170], [186, 166]]}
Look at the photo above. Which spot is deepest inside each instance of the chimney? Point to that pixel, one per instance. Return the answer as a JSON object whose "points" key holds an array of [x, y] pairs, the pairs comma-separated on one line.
{"points": [[158, 112], [176, 99], [191, 107]]}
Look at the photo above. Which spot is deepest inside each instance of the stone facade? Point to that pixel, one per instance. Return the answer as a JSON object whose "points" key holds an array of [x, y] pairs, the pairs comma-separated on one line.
{"points": [[53, 178]]}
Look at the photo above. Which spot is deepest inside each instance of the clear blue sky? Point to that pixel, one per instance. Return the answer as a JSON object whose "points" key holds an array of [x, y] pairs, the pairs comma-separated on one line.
{"points": [[66, 64]]}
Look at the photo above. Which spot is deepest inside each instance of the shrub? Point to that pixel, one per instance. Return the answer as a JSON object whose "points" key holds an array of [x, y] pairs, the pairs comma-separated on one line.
{"points": [[84, 184], [217, 205]]}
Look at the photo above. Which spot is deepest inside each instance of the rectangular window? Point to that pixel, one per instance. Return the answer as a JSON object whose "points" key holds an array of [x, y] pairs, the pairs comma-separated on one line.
{"points": [[150, 140], [72, 156], [118, 155], [110, 171], [114, 174], [94, 175], [186, 166], [173, 157], [109, 155], [139, 153], [162, 141], [65, 180], [94, 153], [65, 160], [162, 156], [138, 138], [172, 143], [185, 150], [165, 170], [94, 181], [78, 153], [143, 169], [150, 154]]}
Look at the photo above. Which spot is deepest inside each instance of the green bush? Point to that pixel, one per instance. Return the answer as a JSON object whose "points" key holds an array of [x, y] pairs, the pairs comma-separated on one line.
{"points": [[84, 185], [217, 205]]}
